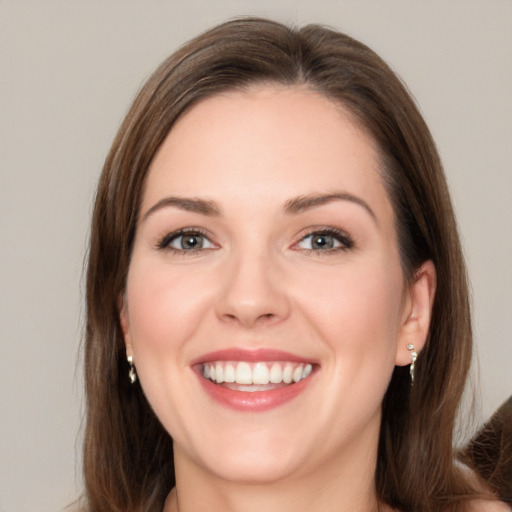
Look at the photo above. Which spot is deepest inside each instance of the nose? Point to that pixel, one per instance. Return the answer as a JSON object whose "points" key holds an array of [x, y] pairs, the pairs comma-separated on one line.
{"points": [[253, 293]]}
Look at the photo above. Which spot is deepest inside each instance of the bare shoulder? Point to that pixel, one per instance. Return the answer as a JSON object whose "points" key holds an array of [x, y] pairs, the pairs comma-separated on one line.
{"points": [[483, 505], [488, 506]]}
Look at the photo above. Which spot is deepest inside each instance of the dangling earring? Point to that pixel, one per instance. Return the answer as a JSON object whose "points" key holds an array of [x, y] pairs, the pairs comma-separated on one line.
{"points": [[131, 374], [414, 356]]}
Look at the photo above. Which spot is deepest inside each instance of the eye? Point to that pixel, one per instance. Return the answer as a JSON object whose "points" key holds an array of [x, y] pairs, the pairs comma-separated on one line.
{"points": [[186, 241], [325, 241]]}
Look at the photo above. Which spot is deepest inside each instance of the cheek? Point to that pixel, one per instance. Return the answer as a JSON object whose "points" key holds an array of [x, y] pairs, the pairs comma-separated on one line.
{"points": [[357, 312], [164, 311]]}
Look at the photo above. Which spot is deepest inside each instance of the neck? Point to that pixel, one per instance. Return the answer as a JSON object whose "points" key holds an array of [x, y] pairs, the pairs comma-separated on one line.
{"points": [[254, 498], [342, 484]]}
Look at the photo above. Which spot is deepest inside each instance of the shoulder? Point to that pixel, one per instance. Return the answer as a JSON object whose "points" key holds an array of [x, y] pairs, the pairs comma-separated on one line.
{"points": [[488, 506], [481, 486]]}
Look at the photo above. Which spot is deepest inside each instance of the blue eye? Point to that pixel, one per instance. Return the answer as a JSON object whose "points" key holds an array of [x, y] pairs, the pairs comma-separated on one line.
{"points": [[186, 241], [324, 241]]}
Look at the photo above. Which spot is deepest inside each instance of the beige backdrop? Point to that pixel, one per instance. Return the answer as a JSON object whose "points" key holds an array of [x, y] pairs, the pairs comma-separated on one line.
{"points": [[68, 70]]}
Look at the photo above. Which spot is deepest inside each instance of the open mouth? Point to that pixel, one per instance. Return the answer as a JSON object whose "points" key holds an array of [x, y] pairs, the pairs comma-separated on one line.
{"points": [[257, 380], [255, 376]]}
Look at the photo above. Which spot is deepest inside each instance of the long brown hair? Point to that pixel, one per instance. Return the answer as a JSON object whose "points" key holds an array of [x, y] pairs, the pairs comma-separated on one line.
{"points": [[128, 455]]}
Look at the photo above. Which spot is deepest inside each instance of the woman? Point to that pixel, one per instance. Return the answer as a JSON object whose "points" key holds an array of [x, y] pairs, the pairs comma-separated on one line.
{"points": [[274, 253]]}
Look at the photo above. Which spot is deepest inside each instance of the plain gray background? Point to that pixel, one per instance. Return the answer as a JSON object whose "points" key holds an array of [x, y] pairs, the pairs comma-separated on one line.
{"points": [[68, 70]]}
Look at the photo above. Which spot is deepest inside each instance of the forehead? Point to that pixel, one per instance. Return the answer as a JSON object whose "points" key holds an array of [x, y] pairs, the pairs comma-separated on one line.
{"points": [[275, 140]]}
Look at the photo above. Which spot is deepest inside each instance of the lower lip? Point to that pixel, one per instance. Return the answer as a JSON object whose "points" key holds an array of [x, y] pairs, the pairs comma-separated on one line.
{"points": [[254, 401]]}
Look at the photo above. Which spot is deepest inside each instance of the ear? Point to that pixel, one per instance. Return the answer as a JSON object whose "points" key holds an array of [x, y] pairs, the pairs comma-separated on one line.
{"points": [[417, 313], [124, 320]]}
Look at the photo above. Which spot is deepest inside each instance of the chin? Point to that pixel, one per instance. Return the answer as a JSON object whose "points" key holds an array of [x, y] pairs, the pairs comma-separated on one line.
{"points": [[253, 468], [256, 457]]}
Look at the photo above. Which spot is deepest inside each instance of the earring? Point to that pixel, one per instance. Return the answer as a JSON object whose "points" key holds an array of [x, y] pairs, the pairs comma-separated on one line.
{"points": [[414, 356], [131, 374]]}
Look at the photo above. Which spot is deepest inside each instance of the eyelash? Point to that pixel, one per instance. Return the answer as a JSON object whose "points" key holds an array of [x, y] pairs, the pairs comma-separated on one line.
{"points": [[344, 239], [164, 243]]}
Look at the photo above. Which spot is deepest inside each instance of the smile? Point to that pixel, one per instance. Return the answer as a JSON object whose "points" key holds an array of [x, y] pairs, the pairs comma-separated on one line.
{"points": [[251, 376], [255, 381]]}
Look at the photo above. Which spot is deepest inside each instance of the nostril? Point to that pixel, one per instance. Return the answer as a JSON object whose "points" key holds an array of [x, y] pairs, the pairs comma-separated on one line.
{"points": [[251, 304], [251, 320], [266, 318]]}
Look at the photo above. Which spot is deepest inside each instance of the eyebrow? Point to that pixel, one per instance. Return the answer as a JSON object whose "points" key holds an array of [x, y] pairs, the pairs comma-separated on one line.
{"points": [[291, 207], [304, 203], [202, 206]]}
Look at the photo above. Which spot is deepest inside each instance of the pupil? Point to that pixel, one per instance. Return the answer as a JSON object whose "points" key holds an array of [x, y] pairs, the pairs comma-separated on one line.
{"points": [[322, 242], [191, 242]]}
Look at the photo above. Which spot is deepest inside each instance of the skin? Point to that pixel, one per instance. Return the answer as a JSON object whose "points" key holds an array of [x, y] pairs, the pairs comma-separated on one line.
{"points": [[257, 283]]}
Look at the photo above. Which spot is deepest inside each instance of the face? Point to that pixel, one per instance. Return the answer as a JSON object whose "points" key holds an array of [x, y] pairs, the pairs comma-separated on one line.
{"points": [[265, 305]]}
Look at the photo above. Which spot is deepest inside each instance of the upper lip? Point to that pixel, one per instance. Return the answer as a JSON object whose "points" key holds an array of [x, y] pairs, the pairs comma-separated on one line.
{"points": [[257, 355]]}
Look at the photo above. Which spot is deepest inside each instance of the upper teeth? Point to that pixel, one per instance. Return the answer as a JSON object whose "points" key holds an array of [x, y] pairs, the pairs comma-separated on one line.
{"points": [[256, 373]]}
